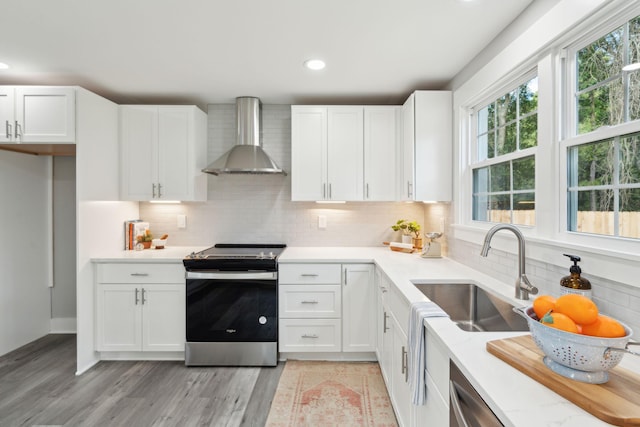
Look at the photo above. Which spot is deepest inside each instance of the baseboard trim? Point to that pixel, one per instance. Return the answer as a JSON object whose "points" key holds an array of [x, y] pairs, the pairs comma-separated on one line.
{"points": [[63, 325]]}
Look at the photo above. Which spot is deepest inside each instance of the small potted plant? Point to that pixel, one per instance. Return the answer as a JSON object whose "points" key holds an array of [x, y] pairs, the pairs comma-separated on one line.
{"points": [[145, 238], [410, 232]]}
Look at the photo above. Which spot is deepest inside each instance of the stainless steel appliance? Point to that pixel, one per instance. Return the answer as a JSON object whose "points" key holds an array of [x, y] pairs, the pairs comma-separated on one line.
{"points": [[466, 407], [232, 305]]}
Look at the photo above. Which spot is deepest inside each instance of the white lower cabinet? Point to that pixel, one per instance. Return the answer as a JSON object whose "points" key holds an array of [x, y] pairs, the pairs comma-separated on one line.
{"points": [[326, 307], [392, 351], [137, 310]]}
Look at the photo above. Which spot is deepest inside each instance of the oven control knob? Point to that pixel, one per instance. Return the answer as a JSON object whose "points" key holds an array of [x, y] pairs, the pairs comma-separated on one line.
{"points": [[262, 320], [261, 255], [271, 255]]}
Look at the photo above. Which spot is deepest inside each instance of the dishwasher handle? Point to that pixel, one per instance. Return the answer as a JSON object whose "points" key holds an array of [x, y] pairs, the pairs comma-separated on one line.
{"points": [[455, 405]]}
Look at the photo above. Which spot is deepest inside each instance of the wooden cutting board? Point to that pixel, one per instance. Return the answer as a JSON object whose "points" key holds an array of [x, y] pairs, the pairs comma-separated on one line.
{"points": [[617, 401]]}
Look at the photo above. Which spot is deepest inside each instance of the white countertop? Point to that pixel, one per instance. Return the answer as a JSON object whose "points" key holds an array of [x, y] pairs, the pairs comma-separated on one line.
{"points": [[517, 399]]}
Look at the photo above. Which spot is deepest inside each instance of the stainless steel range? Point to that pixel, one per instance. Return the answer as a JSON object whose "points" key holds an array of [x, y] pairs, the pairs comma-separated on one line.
{"points": [[232, 305]]}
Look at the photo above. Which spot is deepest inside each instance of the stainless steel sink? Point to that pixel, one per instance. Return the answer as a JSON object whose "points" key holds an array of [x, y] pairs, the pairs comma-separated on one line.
{"points": [[472, 308]]}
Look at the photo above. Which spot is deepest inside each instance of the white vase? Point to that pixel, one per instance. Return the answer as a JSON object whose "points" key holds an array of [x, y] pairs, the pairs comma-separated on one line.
{"points": [[406, 238]]}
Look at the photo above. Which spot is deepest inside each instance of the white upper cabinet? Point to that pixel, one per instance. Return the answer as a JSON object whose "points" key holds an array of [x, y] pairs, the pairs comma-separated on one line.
{"points": [[381, 136], [308, 153], [163, 150], [426, 159], [37, 114], [345, 145], [343, 153]]}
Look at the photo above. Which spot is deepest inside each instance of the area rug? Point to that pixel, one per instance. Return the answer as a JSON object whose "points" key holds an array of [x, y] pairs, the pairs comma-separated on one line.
{"points": [[331, 394]]}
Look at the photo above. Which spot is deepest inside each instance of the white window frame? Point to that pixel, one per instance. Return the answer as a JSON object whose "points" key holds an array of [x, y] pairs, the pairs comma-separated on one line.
{"points": [[513, 84], [571, 138], [544, 47]]}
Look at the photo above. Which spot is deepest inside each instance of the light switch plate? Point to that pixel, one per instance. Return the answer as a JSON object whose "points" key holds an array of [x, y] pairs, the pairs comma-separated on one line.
{"points": [[322, 222], [182, 221]]}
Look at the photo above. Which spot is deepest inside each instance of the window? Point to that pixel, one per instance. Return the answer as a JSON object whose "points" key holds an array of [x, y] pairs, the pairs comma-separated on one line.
{"points": [[603, 149], [504, 170]]}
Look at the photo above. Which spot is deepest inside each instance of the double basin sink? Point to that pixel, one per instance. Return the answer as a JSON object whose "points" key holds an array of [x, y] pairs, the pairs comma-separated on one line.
{"points": [[472, 308]]}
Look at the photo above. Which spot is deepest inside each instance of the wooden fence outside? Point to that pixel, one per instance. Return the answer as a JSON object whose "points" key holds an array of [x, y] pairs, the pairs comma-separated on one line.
{"points": [[588, 221]]}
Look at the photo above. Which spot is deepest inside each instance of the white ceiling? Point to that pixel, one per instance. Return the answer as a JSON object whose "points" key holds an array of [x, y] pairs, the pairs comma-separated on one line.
{"points": [[211, 51]]}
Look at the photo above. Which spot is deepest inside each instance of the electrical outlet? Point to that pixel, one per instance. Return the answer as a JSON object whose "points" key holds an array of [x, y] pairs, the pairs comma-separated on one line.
{"points": [[322, 222], [182, 221]]}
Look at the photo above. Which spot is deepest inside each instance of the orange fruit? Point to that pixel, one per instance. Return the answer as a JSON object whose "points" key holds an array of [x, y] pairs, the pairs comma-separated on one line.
{"points": [[560, 321], [543, 304], [578, 307], [605, 327]]}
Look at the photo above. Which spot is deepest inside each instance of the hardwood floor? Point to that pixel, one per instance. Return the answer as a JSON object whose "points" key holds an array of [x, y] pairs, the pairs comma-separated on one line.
{"points": [[38, 387]]}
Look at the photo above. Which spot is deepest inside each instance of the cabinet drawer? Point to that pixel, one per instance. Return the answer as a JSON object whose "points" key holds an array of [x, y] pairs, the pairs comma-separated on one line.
{"points": [[310, 273], [310, 335], [140, 273], [310, 301]]}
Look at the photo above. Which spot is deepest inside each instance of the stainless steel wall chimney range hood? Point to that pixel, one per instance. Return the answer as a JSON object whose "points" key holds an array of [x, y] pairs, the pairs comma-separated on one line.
{"points": [[247, 156]]}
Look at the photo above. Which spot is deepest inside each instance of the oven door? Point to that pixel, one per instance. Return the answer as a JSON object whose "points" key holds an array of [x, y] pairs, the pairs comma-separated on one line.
{"points": [[232, 307]]}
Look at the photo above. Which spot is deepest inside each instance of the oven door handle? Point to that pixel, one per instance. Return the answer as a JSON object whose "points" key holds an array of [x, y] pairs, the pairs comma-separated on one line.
{"points": [[266, 275]]}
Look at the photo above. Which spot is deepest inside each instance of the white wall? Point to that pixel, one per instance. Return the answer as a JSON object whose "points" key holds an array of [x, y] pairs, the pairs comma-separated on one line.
{"points": [[25, 248], [258, 208]]}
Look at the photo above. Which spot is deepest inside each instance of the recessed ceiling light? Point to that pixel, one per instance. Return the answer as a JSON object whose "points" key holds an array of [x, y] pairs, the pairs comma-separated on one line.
{"points": [[315, 64], [3, 66], [631, 67]]}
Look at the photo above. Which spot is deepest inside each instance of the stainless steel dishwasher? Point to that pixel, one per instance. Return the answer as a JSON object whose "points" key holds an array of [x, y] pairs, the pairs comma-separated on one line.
{"points": [[466, 407]]}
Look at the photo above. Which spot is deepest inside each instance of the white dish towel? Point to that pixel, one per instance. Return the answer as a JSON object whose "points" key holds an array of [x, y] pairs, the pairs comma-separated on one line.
{"points": [[417, 357]]}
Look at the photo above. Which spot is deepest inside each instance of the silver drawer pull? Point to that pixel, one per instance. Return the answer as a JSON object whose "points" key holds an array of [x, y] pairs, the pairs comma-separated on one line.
{"points": [[140, 274], [308, 302], [309, 336], [309, 275]]}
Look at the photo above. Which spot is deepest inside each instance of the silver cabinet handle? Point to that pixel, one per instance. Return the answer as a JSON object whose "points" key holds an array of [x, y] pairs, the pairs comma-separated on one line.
{"points": [[159, 190], [405, 370], [17, 130], [309, 336], [383, 289], [140, 274], [330, 197], [385, 328], [153, 190], [143, 298], [367, 190], [409, 189], [136, 298], [324, 191], [345, 276], [308, 302], [455, 405], [8, 129], [309, 275]]}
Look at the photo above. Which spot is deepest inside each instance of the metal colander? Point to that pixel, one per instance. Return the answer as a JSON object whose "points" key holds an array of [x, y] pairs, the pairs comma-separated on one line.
{"points": [[580, 357]]}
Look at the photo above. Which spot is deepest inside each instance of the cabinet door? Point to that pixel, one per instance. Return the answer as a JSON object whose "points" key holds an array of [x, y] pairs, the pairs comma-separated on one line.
{"points": [[163, 317], [308, 153], [358, 295], [433, 146], [46, 114], [138, 145], [345, 146], [7, 118], [175, 133], [119, 318], [381, 143], [406, 173], [399, 380]]}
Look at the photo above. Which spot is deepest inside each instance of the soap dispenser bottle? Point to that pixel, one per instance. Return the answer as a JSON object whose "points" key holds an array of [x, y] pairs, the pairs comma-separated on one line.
{"points": [[574, 284]]}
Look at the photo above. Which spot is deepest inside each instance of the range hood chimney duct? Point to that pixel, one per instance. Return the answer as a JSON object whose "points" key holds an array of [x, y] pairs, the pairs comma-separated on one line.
{"points": [[247, 156]]}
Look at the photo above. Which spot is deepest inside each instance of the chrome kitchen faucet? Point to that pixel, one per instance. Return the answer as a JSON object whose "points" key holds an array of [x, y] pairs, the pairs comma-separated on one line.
{"points": [[523, 286]]}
